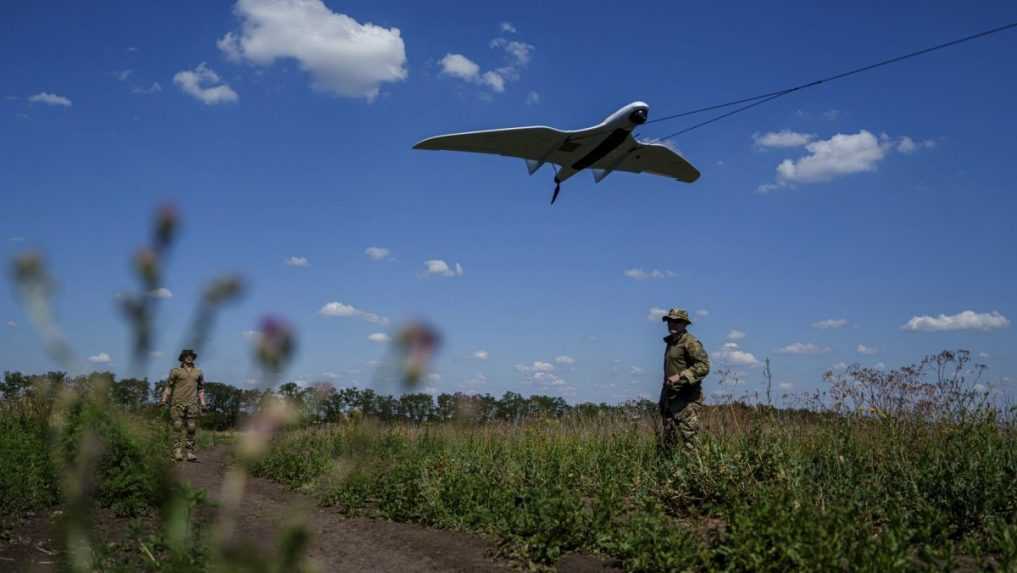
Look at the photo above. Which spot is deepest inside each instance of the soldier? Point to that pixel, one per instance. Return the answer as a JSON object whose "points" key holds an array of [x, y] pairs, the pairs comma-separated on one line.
{"points": [[686, 364], [185, 394]]}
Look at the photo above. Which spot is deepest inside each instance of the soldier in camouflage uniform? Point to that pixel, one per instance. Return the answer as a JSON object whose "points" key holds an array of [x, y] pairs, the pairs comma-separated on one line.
{"points": [[185, 394], [686, 364]]}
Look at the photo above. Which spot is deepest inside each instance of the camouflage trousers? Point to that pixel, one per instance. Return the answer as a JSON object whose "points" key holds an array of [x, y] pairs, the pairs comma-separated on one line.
{"points": [[185, 425], [679, 412]]}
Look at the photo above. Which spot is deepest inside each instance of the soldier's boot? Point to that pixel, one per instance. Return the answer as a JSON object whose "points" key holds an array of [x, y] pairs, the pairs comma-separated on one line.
{"points": [[178, 455], [191, 457]]}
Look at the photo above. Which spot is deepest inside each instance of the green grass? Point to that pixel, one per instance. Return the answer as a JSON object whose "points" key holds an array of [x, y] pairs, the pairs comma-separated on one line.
{"points": [[766, 491]]}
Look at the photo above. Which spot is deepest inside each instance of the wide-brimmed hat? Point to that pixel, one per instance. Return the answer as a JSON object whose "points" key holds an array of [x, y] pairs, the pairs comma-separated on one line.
{"points": [[187, 352], [677, 314]]}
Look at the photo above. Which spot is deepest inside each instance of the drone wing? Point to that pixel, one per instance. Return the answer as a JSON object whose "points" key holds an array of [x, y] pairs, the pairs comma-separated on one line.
{"points": [[659, 160], [538, 143]]}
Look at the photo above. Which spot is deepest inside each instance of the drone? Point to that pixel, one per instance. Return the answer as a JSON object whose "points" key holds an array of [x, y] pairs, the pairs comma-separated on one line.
{"points": [[604, 148]]}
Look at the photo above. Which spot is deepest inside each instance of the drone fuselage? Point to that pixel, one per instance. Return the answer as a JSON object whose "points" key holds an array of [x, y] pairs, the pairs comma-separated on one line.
{"points": [[608, 139]]}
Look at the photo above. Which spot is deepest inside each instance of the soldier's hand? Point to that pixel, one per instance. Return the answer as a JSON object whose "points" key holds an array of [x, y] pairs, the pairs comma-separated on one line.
{"points": [[674, 379]]}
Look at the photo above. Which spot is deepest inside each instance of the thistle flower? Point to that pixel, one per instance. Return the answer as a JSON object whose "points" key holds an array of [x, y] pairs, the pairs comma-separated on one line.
{"points": [[146, 264], [276, 344], [417, 342], [224, 289], [166, 222]]}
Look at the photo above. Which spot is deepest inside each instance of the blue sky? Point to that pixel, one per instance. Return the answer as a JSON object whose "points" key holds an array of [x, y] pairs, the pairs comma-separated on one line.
{"points": [[876, 204]]}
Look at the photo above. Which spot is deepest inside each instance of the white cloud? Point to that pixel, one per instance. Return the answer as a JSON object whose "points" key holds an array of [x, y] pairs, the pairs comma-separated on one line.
{"points": [[880, 366], [377, 253], [152, 89], [532, 98], [250, 334], [702, 312], [155, 354], [480, 355], [101, 358], [967, 320], [782, 139], [980, 354], [735, 334], [507, 27], [297, 262], [636, 371], [842, 154], [656, 313], [162, 292], [830, 323], [342, 56], [459, 66], [906, 145], [518, 55], [730, 353], [766, 188], [205, 85], [840, 366], [379, 337], [785, 386], [641, 275], [980, 388], [349, 311], [434, 377], [869, 350], [16, 239], [50, 99], [804, 348], [439, 268], [122, 75], [537, 366], [12, 324], [564, 359]]}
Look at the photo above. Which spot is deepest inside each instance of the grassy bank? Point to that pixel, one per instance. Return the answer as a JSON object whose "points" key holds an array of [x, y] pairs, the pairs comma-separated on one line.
{"points": [[767, 490]]}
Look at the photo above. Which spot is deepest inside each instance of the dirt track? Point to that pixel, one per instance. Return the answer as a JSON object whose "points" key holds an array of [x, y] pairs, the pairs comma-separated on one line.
{"points": [[338, 543]]}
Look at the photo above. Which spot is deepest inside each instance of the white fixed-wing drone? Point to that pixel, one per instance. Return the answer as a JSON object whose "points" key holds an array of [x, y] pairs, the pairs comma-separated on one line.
{"points": [[606, 147]]}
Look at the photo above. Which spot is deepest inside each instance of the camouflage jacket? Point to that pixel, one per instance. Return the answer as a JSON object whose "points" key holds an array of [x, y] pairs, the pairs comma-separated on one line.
{"points": [[185, 384], [686, 356]]}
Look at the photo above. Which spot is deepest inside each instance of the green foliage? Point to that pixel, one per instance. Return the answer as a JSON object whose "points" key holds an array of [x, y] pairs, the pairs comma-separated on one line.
{"points": [[786, 492]]}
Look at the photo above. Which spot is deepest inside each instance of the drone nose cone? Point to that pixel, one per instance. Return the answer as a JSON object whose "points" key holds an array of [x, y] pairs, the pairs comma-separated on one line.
{"points": [[638, 116]]}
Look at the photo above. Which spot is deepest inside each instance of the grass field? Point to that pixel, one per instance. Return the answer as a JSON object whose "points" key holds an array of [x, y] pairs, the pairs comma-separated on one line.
{"points": [[767, 490]]}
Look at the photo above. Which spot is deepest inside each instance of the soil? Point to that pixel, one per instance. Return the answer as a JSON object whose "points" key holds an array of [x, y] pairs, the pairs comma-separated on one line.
{"points": [[338, 543]]}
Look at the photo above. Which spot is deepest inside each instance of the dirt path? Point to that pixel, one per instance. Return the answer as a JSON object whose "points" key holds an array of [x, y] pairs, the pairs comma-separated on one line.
{"points": [[344, 544], [338, 543]]}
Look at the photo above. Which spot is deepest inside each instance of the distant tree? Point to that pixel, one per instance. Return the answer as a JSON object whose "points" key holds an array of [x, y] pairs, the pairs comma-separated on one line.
{"points": [[417, 407], [14, 384], [131, 393]]}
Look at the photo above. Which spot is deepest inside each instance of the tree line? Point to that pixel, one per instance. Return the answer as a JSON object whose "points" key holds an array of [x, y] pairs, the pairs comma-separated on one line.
{"points": [[228, 406]]}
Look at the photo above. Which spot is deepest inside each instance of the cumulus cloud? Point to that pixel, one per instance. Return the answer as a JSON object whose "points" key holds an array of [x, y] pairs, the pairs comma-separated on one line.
{"points": [[730, 353], [297, 262], [564, 359], [782, 139], [152, 89], [379, 337], [840, 366], [101, 358], [439, 268], [50, 99], [803, 348], [343, 56], [377, 253], [536, 366], [162, 293], [842, 154], [480, 355], [656, 313], [735, 334], [338, 309], [12, 324], [642, 275], [980, 354], [251, 335], [830, 323], [507, 28], [967, 320], [517, 55], [532, 98], [826, 159], [785, 386], [870, 350], [702, 312], [205, 85]]}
